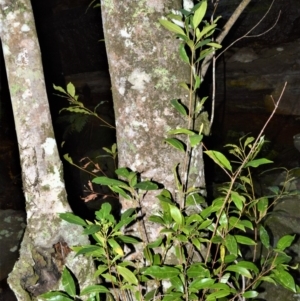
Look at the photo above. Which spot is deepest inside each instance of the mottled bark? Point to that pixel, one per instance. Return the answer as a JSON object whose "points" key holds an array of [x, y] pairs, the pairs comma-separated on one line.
{"points": [[145, 71], [38, 267]]}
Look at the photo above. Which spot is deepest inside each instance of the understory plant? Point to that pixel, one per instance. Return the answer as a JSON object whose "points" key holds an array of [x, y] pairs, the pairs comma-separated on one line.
{"points": [[207, 250]]}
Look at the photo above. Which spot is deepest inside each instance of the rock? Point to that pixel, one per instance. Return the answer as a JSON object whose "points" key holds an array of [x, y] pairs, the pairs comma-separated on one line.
{"points": [[12, 225]]}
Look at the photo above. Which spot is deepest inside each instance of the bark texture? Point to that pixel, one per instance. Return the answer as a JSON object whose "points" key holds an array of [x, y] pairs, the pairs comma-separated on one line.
{"points": [[145, 71], [46, 237]]}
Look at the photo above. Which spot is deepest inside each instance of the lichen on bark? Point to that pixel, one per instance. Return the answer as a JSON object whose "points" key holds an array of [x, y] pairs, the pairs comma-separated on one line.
{"points": [[145, 71]]}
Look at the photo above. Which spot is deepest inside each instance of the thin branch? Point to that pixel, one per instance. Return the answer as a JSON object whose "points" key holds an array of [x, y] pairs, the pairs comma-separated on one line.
{"points": [[246, 35], [223, 34]]}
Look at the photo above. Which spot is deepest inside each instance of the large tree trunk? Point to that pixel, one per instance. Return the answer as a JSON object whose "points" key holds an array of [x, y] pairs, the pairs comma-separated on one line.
{"points": [[145, 71], [38, 268]]}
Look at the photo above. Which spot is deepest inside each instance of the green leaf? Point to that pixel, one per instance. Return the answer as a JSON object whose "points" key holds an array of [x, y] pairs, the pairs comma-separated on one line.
{"points": [[116, 247], [68, 158], [248, 141], [205, 224], [95, 251], [176, 215], [250, 294], [262, 206], [120, 191], [71, 89], [176, 144], [179, 107], [257, 162], [285, 279], [215, 45], [128, 239], [60, 89], [164, 272], [264, 236], [231, 244], [155, 243], [244, 240], [146, 185], [127, 213], [197, 270], [238, 200], [285, 242], [132, 178], [203, 283], [56, 296], [127, 275], [181, 131], [206, 31], [199, 14], [219, 159], [123, 172], [94, 289], [240, 270], [109, 182], [183, 54], [184, 86], [195, 140], [196, 86], [235, 222], [217, 295], [91, 229], [177, 284], [72, 219], [248, 265], [172, 27]]}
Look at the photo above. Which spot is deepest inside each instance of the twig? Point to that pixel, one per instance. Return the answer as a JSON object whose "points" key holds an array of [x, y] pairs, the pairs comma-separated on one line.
{"points": [[246, 35]]}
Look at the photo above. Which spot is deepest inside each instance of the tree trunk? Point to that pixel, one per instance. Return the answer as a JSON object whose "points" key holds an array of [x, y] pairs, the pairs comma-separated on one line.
{"points": [[47, 238], [145, 71]]}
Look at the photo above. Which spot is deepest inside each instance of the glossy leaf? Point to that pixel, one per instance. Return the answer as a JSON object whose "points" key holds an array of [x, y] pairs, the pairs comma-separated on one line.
{"points": [[172, 27], [179, 107], [199, 14], [257, 162], [248, 265], [123, 172], [240, 270], [219, 159], [197, 270], [108, 181], [176, 215], [116, 247], [250, 294], [285, 279], [60, 89], [244, 240], [285, 242], [238, 200], [231, 244], [264, 237], [94, 289], [71, 89], [176, 144], [181, 131], [146, 185], [120, 191], [127, 275], [195, 140], [217, 295], [128, 239], [72, 219], [183, 54], [202, 283], [159, 272]]}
